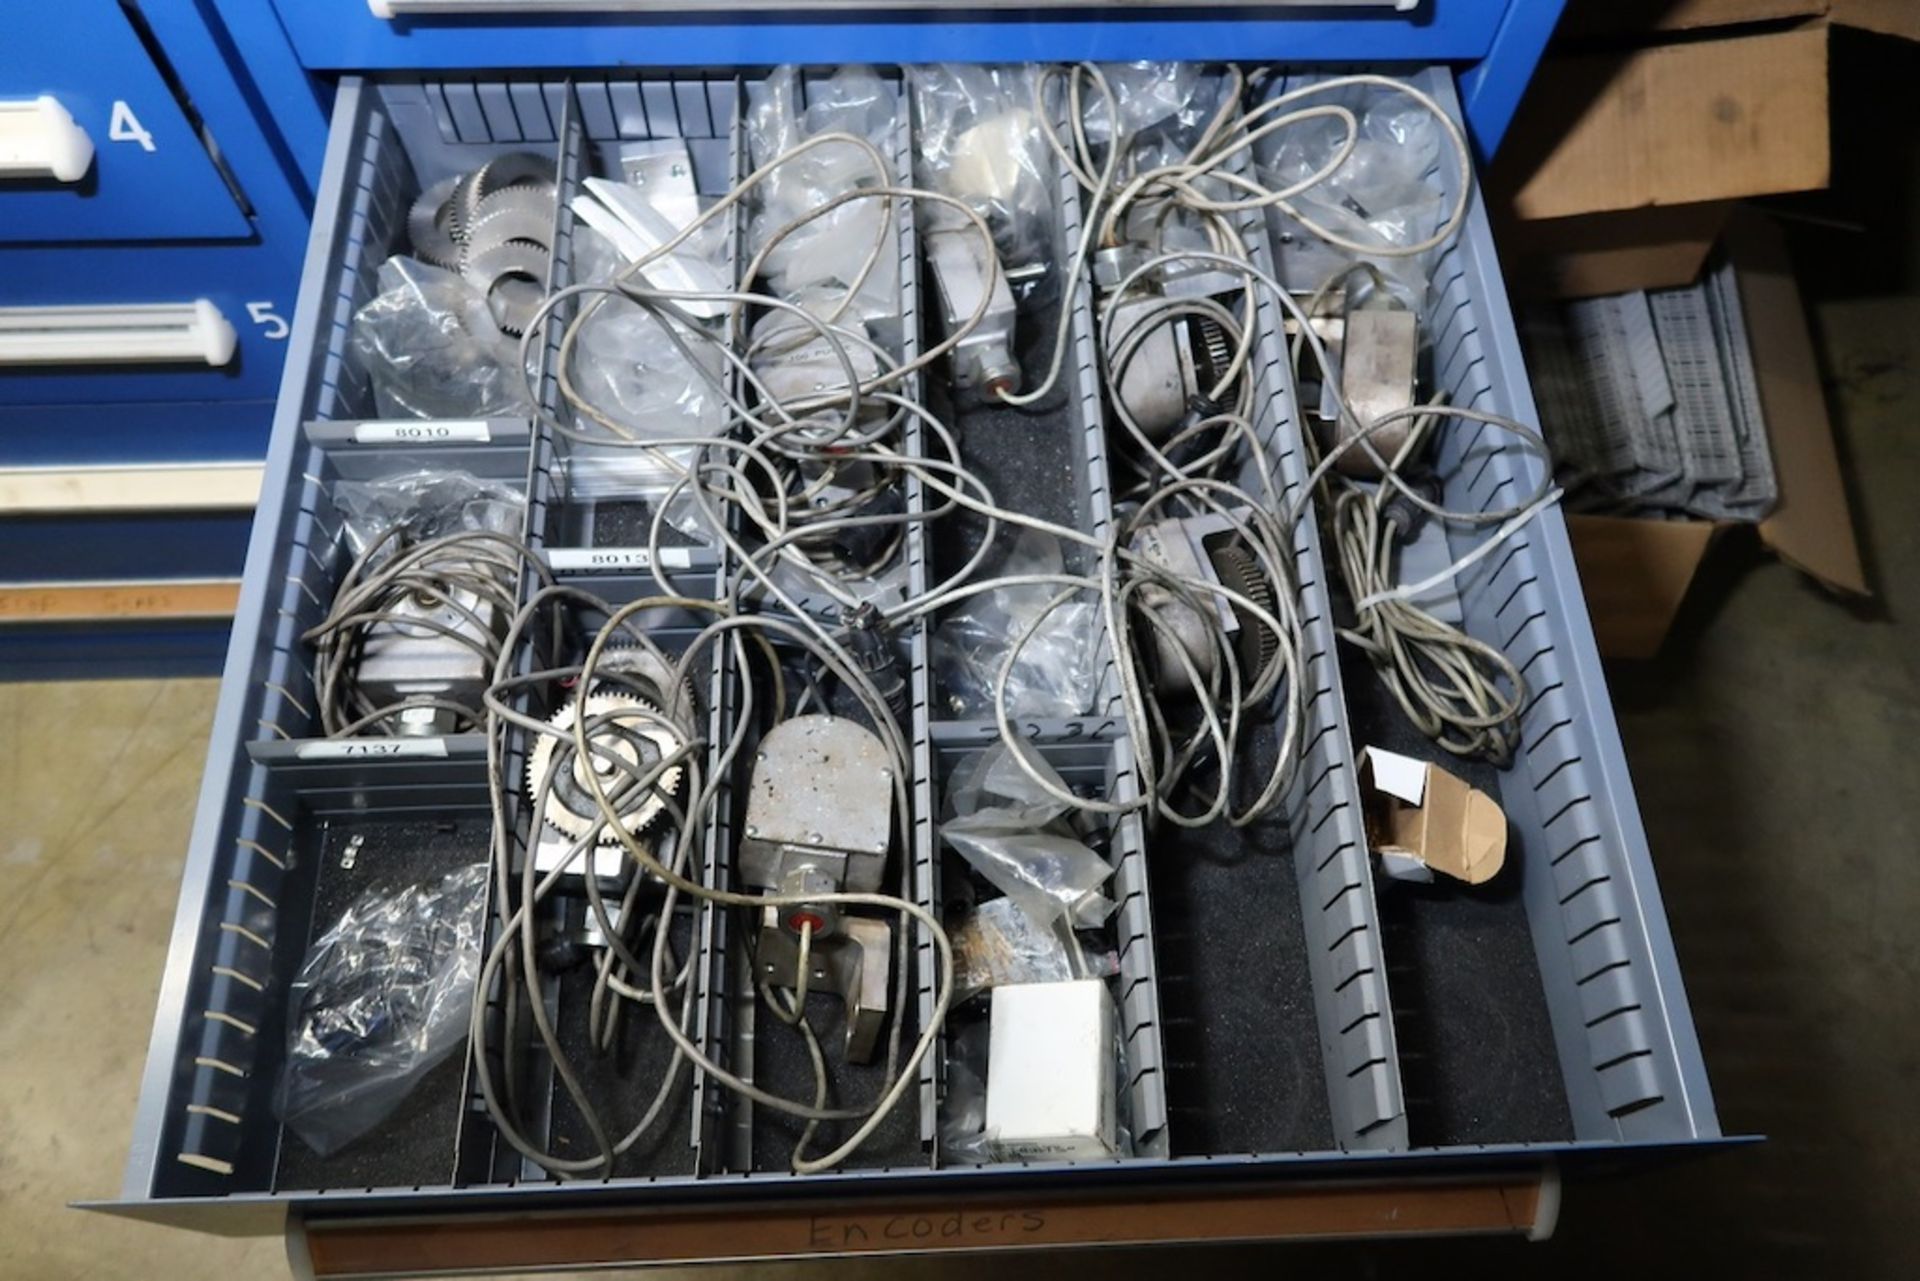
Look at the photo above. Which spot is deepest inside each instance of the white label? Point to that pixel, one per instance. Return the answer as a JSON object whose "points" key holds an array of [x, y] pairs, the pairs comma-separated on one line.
{"points": [[124, 126], [340, 749], [422, 433], [273, 326], [611, 559]]}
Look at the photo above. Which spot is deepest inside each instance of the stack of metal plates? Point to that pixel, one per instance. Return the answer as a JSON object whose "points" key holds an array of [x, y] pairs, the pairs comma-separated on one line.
{"points": [[1649, 402]]}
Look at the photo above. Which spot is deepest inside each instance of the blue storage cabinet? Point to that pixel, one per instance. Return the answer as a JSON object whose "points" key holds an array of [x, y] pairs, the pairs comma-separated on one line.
{"points": [[190, 197], [1495, 43]]}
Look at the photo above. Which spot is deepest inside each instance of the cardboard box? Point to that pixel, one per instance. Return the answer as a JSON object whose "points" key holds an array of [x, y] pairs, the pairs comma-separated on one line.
{"points": [[1422, 820], [1672, 125], [1611, 253], [1888, 17], [1636, 573], [1621, 167], [1585, 18], [1050, 1072]]}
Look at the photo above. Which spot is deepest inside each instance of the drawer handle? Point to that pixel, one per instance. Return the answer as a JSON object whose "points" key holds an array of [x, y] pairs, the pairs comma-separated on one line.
{"points": [[38, 139], [146, 333]]}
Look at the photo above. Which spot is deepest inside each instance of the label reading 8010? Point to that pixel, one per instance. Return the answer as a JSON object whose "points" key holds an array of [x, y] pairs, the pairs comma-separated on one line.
{"points": [[420, 433]]}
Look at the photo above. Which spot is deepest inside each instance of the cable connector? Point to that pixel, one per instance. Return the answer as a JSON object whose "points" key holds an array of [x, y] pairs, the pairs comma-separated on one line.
{"points": [[1401, 514], [872, 648]]}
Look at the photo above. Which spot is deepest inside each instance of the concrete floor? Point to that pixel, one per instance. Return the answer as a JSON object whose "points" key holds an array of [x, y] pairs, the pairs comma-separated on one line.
{"points": [[1773, 747]]}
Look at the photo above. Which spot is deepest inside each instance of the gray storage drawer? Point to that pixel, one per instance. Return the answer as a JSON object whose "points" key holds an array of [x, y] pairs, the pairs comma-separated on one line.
{"points": [[1285, 1015]]}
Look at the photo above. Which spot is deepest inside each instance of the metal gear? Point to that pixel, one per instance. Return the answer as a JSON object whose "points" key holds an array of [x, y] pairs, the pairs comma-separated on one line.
{"points": [[434, 227], [512, 214], [639, 740], [1240, 570]]}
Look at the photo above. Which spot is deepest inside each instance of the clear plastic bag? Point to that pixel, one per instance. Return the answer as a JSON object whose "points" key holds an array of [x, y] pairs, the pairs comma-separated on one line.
{"points": [[1012, 833], [1380, 194], [976, 140], [829, 250], [432, 350], [1149, 96], [1001, 942], [963, 1106], [429, 503], [381, 1000], [627, 365], [1057, 671]]}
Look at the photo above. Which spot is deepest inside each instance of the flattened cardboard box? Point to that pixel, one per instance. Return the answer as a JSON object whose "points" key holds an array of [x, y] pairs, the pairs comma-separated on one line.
{"points": [[1636, 572]]}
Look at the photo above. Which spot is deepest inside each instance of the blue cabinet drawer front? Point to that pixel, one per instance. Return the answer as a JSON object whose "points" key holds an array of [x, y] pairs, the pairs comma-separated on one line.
{"points": [[151, 177], [346, 35], [253, 287], [133, 433]]}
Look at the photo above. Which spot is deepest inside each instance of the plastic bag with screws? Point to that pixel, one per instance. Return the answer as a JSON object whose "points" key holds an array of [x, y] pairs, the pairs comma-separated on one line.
{"points": [[381, 1000], [432, 350], [1057, 669], [1015, 835], [977, 140], [427, 504]]}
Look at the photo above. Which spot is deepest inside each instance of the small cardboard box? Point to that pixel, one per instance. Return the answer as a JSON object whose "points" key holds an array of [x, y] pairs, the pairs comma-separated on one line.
{"points": [[1636, 572], [1422, 820], [1619, 170]]}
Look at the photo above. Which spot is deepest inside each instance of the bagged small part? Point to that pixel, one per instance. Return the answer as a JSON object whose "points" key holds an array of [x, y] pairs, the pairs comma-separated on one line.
{"points": [[829, 250], [382, 998], [977, 140], [427, 504], [1380, 194], [963, 1105], [429, 344], [627, 365], [1057, 670], [1001, 942], [1150, 97], [1012, 833]]}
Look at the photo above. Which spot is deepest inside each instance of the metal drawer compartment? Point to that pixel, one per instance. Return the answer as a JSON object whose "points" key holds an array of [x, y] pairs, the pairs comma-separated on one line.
{"points": [[1284, 1014], [1573, 972]]}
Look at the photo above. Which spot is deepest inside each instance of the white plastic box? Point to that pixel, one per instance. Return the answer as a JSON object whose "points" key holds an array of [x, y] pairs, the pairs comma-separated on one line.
{"points": [[1050, 1072]]}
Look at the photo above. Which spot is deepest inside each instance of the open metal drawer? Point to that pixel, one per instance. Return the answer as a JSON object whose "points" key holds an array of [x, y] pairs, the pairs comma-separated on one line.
{"points": [[1290, 1024]]}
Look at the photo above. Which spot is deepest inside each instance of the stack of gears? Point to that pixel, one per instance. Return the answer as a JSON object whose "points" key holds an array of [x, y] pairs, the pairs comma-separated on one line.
{"points": [[493, 225]]}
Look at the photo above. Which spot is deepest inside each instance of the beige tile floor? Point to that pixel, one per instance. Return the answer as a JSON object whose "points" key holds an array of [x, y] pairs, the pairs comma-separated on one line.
{"points": [[98, 783]]}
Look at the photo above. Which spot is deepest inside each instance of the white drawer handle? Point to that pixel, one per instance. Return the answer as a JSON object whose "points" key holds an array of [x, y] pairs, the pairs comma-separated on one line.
{"points": [[38, 139], [151, 333]]}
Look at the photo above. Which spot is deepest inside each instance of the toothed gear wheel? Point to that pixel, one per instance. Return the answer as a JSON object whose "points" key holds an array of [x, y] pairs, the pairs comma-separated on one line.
{"points": [[513, 169], [1216, 347], [433, 225], [639, 740], [1240, 571]]}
